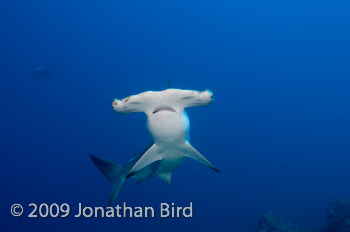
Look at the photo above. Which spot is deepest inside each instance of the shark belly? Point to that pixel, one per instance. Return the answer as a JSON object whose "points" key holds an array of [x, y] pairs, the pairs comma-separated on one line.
{"points": [[172, 159], [168, 128], [170, 131]]}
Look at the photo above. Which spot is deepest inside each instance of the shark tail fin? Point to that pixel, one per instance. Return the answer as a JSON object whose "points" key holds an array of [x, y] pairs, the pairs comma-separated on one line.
{"points": [[114, 173]]}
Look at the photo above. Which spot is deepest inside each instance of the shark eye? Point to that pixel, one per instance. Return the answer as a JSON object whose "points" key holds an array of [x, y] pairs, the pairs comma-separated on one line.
{"points": [[115, 102]]}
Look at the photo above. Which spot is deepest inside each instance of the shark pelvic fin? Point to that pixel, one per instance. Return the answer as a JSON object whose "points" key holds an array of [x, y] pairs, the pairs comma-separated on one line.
{"points": [[191, 152], [148, 171], [166, 176], [151, 155], [114, 173]]}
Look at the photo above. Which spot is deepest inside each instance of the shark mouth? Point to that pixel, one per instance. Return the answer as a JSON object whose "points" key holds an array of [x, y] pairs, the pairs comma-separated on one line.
{"points": [[163, 108]]}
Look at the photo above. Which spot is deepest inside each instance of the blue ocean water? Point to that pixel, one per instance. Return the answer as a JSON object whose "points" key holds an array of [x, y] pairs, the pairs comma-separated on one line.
{"points": [[278, 129]]}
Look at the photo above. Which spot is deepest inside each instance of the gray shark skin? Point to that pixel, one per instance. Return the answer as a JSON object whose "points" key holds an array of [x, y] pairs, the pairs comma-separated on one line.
{"points": [[117, 174], [169, 125]]}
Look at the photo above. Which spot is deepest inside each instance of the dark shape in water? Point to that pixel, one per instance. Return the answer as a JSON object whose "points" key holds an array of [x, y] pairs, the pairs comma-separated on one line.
{"points": [[41, 71], [169, 84], [273, 223], [338, 216]]}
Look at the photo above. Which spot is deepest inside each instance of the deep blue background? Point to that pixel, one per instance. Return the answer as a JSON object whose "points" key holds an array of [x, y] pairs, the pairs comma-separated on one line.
{"points": [[279, 128]]}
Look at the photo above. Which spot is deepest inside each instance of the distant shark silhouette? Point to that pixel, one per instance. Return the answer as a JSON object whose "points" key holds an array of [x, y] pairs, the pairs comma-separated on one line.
{"points": [[168, 123], [41, 71]]}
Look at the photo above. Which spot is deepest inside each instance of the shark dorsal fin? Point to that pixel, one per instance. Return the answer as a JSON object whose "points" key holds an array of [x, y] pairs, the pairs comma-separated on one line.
{"points": [[169, 84]]}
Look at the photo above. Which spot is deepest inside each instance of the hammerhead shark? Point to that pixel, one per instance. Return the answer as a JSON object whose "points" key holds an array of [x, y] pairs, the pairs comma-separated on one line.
{"points": [[169, 125]]}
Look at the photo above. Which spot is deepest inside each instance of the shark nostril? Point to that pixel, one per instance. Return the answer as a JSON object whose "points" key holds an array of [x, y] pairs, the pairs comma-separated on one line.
{"points": [[126, 99], [115, 102]]}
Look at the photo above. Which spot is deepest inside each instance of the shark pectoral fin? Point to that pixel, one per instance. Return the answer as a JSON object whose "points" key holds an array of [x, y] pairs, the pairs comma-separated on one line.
{"points": [[191, 152], [166, 176], [150, 156]]}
